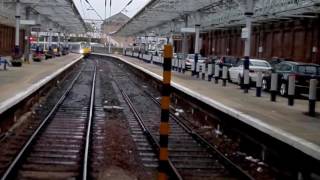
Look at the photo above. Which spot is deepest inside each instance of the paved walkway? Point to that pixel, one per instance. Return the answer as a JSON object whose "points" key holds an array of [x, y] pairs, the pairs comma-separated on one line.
{"points": [[288, 124], [18, 82]]}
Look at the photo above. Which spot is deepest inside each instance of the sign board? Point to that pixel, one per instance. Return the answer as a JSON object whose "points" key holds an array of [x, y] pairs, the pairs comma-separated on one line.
{"points": [[36, 29], [244, 33], [27, 22], [188, 30], [177, 37]]}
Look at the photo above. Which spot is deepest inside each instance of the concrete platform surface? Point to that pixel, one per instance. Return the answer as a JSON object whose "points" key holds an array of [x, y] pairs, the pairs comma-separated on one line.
{"points": [[19, 82], [288, 124]]}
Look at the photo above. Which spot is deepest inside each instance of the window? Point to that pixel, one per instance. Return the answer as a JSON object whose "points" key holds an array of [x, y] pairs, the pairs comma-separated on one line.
{"points": [[285, 67], [277, 67], [191, 56], [75, 47], [259, 63], [305, 69], [240, 63]]}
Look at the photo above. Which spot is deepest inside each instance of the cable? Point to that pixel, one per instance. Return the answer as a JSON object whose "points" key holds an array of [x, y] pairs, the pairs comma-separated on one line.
{"points": [[123, 9], [94, 9]]}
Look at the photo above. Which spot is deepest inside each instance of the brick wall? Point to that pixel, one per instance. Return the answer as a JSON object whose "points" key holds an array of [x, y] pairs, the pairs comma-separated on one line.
{"points": [[294, 40], [7, 40]]}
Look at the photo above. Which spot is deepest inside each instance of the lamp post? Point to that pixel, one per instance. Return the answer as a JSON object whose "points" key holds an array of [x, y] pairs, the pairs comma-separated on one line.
{"points": [[109, 37]]}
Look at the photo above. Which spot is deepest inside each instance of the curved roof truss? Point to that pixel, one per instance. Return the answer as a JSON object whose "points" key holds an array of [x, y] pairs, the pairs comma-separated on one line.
{"points": [[59, 15], [164, 16]]}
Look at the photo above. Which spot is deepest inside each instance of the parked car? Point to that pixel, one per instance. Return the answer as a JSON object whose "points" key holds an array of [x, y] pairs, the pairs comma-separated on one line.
{"points": [[303, 72], [256, 65], [38, 54], [212, 59], [178, 55], [190, 60], [275, 61], [228, 61]]}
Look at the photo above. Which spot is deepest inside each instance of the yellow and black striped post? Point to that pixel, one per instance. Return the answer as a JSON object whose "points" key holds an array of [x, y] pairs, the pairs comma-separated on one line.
{"points": [[165, 105]]}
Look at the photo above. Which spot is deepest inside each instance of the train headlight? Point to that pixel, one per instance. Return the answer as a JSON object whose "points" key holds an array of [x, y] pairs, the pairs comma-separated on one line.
{"points": [[81, 51]]}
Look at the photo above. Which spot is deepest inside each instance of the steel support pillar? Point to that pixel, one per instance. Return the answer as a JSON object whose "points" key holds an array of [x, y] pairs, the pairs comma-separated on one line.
{"points": [[64, 39], [172, 30], [248, 14], [109, 46], [50, 38], [27, 53], [185, 39], [247, 49], [157, 40], [146, 47], [44, 42], [59, 40], [196, 49], [17, 35], [38, 30]]}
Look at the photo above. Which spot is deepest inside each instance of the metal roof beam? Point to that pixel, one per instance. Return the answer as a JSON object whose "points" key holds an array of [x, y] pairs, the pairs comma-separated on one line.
{"points": [[60, 12], [215, 13]]}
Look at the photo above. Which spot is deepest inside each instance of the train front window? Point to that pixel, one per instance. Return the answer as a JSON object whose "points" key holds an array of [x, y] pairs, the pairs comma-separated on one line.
{"points": [[75, 47]]}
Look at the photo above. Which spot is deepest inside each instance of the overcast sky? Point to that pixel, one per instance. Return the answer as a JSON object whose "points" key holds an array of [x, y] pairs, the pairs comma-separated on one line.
{"points": [[117, 6]]}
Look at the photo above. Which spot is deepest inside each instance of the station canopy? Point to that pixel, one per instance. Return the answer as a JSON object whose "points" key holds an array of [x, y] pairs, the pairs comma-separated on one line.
{"points": [[58, 15], [164, 16]]}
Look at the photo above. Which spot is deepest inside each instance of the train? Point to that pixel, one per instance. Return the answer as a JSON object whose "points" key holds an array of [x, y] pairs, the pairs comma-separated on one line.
{"points": [[74, 47], [80, 47]]}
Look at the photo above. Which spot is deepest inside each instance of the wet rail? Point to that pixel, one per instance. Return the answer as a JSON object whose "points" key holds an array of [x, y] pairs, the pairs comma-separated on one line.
{"points": [[190, 156], [59, 147]]}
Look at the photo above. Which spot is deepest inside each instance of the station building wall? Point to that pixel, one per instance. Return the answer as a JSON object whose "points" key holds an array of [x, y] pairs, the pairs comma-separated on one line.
{"points": [[296, 40], [7, 40]]}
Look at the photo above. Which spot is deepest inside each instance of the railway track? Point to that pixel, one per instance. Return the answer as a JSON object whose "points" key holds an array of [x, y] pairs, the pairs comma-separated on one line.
{"points": [[59, 147], [191, 157]]}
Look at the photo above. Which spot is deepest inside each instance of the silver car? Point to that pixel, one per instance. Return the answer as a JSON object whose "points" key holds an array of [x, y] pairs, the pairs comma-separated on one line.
{"points": [[256, 65], [190, 60]]}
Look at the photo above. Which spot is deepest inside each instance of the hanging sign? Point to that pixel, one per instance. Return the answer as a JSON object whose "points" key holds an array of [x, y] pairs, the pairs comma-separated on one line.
{"points": [[244, 33], [188, 30], [27, 22]]}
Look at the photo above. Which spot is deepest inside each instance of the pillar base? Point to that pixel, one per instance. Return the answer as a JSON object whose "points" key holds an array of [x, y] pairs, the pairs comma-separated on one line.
{"points": [[216, 80], [312, 108], [197, 74], [290, 100], [273, 97], [246, 88], [258, 92], [224, 82]]}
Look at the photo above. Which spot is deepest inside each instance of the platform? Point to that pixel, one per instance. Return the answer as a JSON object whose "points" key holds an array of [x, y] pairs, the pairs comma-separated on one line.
{"points": [[16, 83], [288, 124]]}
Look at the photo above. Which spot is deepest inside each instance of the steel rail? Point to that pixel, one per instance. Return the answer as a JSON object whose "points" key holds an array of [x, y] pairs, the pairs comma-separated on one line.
{"points": [[16, 162], [236, 169], [146, 131], [89, 127]]}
